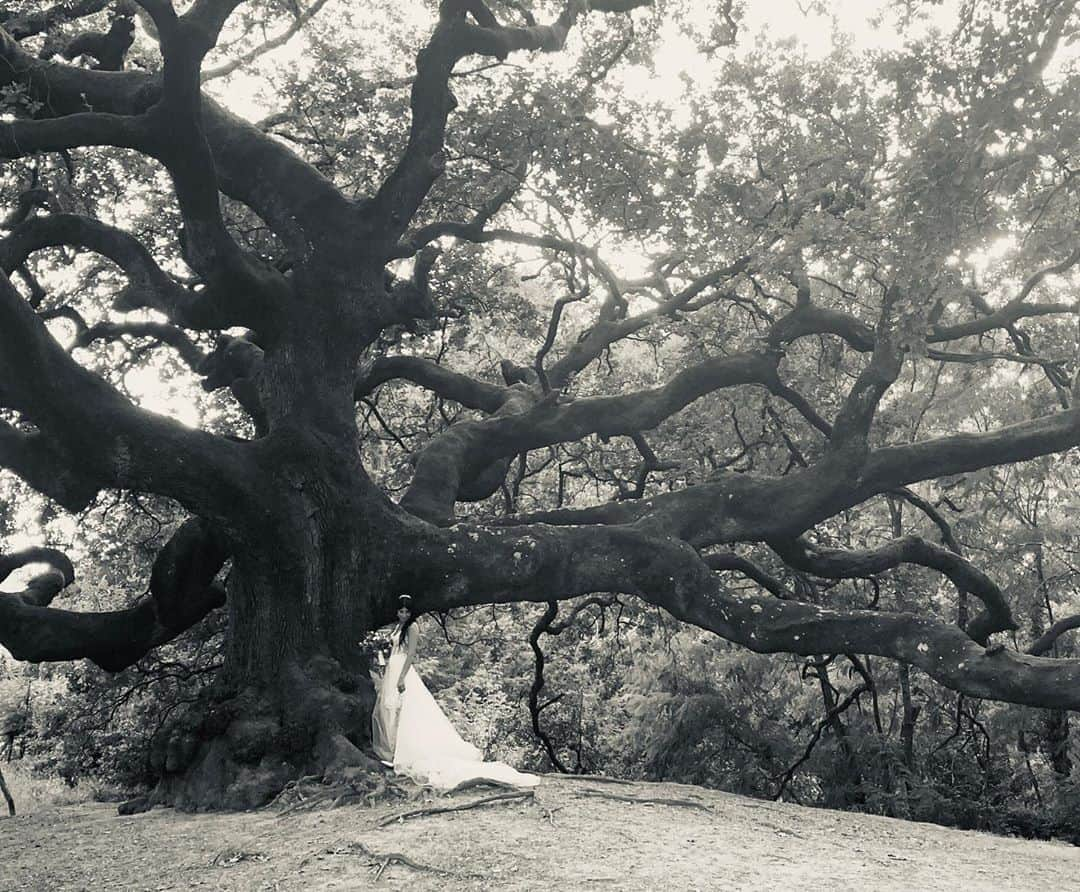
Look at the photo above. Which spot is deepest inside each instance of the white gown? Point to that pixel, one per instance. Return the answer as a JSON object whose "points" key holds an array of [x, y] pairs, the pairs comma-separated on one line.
{"points": [[426, 747]]}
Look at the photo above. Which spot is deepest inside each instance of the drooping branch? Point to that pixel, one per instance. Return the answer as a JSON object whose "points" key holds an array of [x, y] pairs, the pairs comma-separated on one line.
{"points": [[841, 564], [543, 624], [148, 285], [948, 537], [182, 591], [161, 332], [729, 560]]}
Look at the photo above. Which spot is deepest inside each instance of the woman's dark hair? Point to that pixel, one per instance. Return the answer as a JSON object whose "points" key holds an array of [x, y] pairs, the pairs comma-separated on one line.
{"points": [[406, 602]]}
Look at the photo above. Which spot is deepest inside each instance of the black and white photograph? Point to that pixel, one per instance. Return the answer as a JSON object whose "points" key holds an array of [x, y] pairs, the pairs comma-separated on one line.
{"points": [[539, 445]]}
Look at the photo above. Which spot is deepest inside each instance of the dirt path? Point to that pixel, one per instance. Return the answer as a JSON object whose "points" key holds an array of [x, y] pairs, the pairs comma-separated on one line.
{"points": [[569, 837]]}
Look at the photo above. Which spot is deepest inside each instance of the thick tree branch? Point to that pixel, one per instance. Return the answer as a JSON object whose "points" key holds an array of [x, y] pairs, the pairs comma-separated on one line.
{"points": [[852, 426], [182, 592], [467, 565], [59, 562], [21, 138], [892, 466], [116, 443], [292, 196], [467, 448], [51, 470], [471, 393], [742, 507], [179, 140], [38, 21]]}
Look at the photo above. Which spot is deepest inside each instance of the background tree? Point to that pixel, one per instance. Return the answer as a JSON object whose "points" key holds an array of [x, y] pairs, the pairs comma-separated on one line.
{"points": [[815, 256]]}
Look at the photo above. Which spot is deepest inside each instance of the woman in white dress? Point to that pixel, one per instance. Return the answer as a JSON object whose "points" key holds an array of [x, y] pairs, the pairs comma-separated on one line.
{"points": [[410, 731]]}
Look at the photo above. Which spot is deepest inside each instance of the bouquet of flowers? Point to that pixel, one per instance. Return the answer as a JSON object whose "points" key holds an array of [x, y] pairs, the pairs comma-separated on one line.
{"points": [[375, 646]]}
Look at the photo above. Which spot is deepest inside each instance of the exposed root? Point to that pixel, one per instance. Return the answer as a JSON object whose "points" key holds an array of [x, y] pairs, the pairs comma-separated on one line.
{"points": [[309, 793], [643, 800], [445, 809]]}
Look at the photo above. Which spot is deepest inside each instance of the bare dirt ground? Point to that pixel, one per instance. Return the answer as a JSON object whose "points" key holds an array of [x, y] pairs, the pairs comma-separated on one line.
{"points": [[572, 834]]}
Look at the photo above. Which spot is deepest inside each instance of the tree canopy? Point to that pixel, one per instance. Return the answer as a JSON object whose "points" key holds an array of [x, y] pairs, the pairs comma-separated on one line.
{"points": [[479, 302]]}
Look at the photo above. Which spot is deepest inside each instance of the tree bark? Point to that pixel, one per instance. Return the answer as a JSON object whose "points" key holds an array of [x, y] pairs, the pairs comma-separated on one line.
{"points": [[7, 795]]}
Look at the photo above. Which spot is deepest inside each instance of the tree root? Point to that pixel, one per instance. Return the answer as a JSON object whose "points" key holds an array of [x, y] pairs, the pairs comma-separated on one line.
{"points": [[311, 792], [643, 800], [445, 809]]}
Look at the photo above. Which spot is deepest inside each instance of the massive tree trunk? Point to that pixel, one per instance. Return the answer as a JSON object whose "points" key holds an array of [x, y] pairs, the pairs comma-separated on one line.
{"points": [[311, 554], [294, 698]]}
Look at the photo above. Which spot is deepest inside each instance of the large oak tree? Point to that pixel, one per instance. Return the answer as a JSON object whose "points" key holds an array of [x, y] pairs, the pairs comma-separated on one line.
{"points": [[807, 235]]}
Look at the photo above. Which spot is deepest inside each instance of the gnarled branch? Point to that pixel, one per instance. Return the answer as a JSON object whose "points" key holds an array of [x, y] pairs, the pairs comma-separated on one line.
{"points": [[182, 592]]}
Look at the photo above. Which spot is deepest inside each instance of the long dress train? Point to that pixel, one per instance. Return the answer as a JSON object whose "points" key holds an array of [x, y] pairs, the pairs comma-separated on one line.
{"points": [[426, 746]]}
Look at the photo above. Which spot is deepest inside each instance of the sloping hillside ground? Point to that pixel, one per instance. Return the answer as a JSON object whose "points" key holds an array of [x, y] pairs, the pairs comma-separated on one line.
{"points": [[571, 834]]}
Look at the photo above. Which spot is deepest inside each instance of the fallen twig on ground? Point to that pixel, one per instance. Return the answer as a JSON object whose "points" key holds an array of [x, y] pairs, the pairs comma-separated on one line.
{"points": [[444, 809], [549, 813], [382, 859], [229, 857], [643, 800], [598, 778]]}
